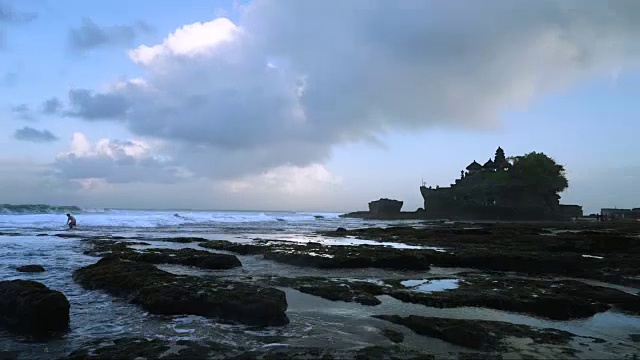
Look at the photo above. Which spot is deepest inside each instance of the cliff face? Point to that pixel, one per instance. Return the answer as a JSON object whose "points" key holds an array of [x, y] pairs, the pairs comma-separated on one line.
{"points": [[385, 207]]}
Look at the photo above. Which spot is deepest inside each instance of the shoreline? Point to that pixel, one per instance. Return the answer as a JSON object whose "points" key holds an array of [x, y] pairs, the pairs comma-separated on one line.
{"points": [[405, 283]]}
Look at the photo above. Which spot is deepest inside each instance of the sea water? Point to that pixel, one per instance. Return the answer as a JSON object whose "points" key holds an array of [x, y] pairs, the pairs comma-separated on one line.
{"points": [[27, 237]]}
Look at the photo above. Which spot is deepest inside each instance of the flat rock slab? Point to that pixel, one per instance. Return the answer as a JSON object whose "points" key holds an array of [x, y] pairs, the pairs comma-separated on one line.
{"points": [[333, 289], [30, 268], [31, 308], [161, 292], [488, 336], [553, 248], [155, 349], [552, 299], [189, 257], [331, 257]]}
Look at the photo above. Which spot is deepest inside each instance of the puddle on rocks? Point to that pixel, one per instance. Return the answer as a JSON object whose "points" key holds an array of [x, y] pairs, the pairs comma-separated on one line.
{"points": [[428, 286]]}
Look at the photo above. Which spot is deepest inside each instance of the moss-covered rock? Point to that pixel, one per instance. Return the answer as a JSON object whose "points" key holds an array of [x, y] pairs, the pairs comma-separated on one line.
{"points": [[480, 335], [31, 308], [553, 299], [189, 257], [155, 349], [160, 292], [30, 268], [333, 289]]}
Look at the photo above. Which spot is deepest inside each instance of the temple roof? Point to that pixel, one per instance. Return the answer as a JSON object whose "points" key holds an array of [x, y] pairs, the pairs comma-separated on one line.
{"points": [[474, 166], [489, 165]]}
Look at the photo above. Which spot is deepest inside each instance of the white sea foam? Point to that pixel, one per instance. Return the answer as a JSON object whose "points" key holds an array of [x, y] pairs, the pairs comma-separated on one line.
{"points": [[146, 219]]}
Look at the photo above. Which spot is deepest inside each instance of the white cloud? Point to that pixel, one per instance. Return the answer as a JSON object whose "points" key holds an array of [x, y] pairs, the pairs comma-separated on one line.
{"points": [[287, 180], [189, 40], [294, 78], [115, 161]]}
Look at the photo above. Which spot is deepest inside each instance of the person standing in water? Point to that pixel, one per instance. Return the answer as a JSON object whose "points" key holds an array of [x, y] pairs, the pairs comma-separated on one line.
{"points": [[71, 221]]}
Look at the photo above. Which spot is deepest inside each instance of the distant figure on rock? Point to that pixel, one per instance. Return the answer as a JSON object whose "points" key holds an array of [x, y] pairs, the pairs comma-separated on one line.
{"points": [[71, 221]]}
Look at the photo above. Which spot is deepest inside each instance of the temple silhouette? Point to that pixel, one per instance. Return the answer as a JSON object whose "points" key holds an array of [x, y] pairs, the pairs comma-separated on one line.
{"points": [[489, 192]]}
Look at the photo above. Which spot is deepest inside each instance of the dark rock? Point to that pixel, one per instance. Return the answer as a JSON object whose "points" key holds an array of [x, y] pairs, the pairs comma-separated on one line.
{"points": [[182, 239], [30, 308], [188, 257], [385, 207], [101, 247], [348, 257], [528, 248], [393, 335], [237, 248], [553, 299], [634, 337], [477, 334], [160, 292], [341, 230], [30, 268], [155, 349], [333, 289], [9, 355], [135, 348], [478, 356]]}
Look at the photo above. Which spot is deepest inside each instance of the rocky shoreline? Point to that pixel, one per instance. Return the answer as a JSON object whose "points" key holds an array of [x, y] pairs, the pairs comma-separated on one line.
{"points": [[548, 271]]}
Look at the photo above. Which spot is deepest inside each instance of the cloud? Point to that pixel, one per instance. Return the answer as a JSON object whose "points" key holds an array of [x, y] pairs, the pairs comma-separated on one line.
{"points": [[34, 135], [89, 106], [22, 112], [89, 35], [8, 79], [9, 15], [292, 79], [287, 180], [115, 161], [52, 106]]}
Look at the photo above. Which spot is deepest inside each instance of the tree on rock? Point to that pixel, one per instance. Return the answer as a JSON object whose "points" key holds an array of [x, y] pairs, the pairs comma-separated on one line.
{"points": [[540, 172]]}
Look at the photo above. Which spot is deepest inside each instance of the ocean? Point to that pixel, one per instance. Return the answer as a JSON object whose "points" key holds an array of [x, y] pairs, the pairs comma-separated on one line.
{"points": [[28, 236]]}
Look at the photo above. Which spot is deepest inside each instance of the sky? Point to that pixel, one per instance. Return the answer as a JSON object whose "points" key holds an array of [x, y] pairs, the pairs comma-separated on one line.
{"points": [[311, 105]]}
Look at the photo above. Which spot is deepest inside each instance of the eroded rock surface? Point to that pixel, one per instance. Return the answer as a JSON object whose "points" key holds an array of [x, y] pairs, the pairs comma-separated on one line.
{"points": [[612, 250], [553, 299], [31, 308], [480, 335], [160, 292], [30, 268], [154, 349], [189, 257], [333, 289]]}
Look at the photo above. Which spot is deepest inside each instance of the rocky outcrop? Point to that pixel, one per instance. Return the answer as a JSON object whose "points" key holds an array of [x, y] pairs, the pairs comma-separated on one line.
{"points": [[585, 250], [552, 299], [480, 335], [189, 257], [30, 268], [385, 207], [155, 349], [160, 292], [30, 308], [333, 289], [348, 257]]}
